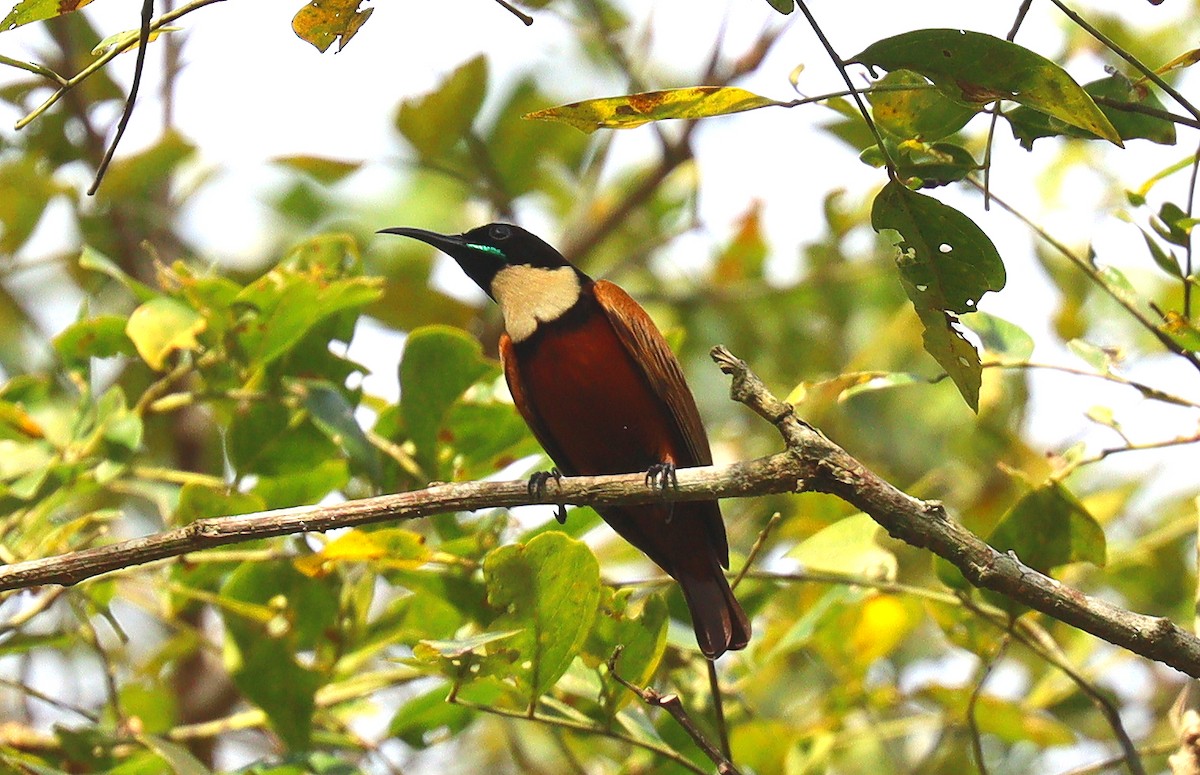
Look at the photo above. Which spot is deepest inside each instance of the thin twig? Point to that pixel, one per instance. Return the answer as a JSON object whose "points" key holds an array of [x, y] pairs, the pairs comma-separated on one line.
{"points": [[1150, 75], [575, 726], [841, 68], [759, 543], [714, 688], [102, 60], [1106, 765], [671, 704], [34, 68], [526, 19], [1037, 640], [973, 703], [595, 230], [1147, 110], [1095, 276], [127, 113], [1189, 249]]}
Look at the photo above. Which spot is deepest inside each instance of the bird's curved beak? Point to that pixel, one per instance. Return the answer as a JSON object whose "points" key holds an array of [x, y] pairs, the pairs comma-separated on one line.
{"points": [[447, 243], [479, 265]]}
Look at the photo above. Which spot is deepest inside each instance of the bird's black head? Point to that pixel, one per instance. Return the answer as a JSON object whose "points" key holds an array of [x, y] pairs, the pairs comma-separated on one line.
{"points": [[484, 251]]}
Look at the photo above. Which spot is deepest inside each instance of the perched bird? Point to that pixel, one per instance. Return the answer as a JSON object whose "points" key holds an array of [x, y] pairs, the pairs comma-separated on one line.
{"points": [[603, 393]]}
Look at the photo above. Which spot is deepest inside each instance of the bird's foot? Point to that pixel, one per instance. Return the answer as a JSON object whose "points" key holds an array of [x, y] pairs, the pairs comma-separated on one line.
{"points": [[660, 476], [537, 486]]}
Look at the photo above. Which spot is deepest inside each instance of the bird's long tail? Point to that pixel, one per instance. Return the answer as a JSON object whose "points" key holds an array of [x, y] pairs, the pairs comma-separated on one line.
{"points": [[720, 623]]}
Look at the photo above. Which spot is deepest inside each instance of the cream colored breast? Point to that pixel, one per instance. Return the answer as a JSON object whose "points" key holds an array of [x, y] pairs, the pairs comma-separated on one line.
{"points": [[530, 295]]}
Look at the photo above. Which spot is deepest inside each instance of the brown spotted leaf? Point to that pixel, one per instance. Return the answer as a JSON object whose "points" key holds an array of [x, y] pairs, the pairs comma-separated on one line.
{"points": [[321, 22], [632, 110], [28, 11]]}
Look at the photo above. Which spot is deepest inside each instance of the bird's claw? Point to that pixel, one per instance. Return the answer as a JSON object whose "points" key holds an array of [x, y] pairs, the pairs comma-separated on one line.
{"points": [[661, 476], [537, 487]]}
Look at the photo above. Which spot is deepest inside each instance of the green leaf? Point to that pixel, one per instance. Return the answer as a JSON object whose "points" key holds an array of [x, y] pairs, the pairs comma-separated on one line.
{"points": [[436, 122], [946, 264], [129, 40], [850, 546], [1174, 225], [549, 590], [975, 69], [640, 629], [197, 502], [334, 416], [325, 171], [161, 327], [130, 177], [935, 165], [262, 652], [1000, 337], [28, 11], [290, 301], [98, 337], [427, 719], [297, 488], [179, 759], [922, 113], [1165, 261], [1029, 124], [26, 188], [95, 261], [1098, 358], [946, 261], [783, 6], [531, 155], [1005, 719], [486, 437], [1049, 527], [632, 110], [321, 22], [438, 364]]}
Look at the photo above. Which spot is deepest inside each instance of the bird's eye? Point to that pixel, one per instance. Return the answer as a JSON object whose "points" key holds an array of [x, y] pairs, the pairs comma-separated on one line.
{"points": [[499, 231]]}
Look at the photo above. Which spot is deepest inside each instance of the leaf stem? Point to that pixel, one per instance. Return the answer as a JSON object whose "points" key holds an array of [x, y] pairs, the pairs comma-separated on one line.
{"points": [[1150, 75], [862, 106]]}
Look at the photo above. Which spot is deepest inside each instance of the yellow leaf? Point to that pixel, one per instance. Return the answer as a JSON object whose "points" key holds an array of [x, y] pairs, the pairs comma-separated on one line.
{"points": [[321, 22], [396, 547], [28, 11], [633, 110], [161, 326], [129, 40], [884, 623]]}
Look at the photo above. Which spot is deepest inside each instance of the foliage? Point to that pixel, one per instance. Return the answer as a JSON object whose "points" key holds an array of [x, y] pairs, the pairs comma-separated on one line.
{"points": [[184, 389]]}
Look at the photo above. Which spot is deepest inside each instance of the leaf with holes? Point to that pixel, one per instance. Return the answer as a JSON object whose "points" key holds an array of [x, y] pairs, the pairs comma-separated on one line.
{"points": [[946, 264], [28, 11], [633, 110], [321, 22], [975, 69]]}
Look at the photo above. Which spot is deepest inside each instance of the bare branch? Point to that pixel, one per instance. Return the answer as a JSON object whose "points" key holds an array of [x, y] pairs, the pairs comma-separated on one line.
{"points": [[811, 463]]}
